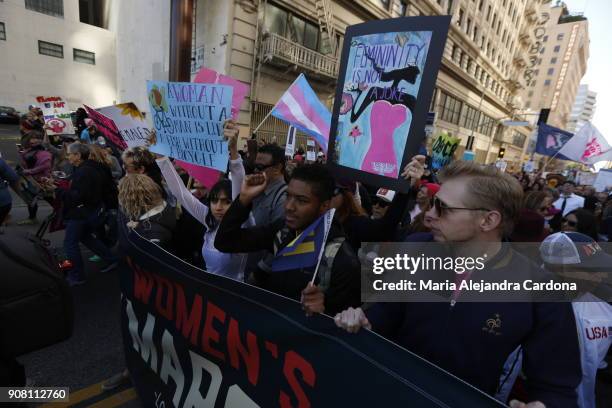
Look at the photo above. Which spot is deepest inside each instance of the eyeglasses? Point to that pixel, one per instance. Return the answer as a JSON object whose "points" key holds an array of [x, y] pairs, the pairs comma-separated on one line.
{"points": [[570, 223], [441, 207], [262, 167]]}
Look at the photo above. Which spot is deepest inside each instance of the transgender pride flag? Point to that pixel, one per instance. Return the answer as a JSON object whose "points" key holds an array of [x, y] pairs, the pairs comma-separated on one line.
{"points": [[302, 109]]}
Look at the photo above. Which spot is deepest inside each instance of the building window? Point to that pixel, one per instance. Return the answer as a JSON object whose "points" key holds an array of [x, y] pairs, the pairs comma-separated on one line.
{"points": [[547, 82], [557, 48], [469, 26], [471, 118], [542, 50], [480, 5], [488, 13], [403, 5], [550, 71], [449, 8], [51, 7], [384, 4], [559, 37], [545, 38], [450, 108], [50, 49], [460, 18], [85, 57], [2, 32], [294, 28], [91, 11], [475, 34]]}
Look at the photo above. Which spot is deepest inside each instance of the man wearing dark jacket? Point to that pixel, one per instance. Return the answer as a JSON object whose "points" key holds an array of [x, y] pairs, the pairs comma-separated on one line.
{"points": [[92, 190], [475, 206], [309, 195]]}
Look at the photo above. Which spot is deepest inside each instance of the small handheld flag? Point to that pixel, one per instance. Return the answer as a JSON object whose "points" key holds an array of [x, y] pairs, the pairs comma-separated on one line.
{"points": [[305, 250]]}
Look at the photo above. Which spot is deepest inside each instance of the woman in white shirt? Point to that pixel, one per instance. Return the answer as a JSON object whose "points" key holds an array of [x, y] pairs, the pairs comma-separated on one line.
{"points": [[220, 198]]}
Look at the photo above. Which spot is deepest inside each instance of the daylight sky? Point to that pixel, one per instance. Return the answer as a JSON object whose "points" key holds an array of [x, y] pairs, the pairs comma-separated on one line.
{"points": [[599, 69]]}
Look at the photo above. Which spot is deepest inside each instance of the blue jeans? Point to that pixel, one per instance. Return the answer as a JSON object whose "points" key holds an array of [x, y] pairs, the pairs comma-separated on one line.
{"points": [[82, 231]]}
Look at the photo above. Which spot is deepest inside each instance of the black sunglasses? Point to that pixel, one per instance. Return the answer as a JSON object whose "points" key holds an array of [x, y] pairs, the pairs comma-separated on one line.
{"points": [[441, 207], [380, 202], [570, 223], [262, 167]]}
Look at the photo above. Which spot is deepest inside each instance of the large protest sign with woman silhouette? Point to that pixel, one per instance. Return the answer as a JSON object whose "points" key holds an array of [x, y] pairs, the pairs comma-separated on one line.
{"points": [[387, 73]]}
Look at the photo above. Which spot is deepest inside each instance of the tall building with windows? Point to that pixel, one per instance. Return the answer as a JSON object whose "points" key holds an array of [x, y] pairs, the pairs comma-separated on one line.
{"points": [[558, 63], [583, 109], [96, 52], [267, 43]]}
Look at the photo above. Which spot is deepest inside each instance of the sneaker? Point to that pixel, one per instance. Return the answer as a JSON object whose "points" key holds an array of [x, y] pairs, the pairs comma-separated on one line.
{"points": [[116, 380], [95, 258], [75, 282], [28, 221], [109, 268]]}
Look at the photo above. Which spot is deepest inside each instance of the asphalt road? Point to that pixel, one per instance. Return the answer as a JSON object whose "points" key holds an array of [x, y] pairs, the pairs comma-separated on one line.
{"points": [[95, 350]]}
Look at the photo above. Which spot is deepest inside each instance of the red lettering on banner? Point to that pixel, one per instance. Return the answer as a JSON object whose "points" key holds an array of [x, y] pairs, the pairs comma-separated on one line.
{"points": [[166, 310], [213, 312], [294, 362], [250, 356], [143, 283], [188, 324]]}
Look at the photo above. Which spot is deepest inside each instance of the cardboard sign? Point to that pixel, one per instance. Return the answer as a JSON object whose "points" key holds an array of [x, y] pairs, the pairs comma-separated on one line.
{"points": [[443, 149], [130, 123], [188, 119], [603, 180], [57, 115], [194, 339], [387, 74], [107, 127]]}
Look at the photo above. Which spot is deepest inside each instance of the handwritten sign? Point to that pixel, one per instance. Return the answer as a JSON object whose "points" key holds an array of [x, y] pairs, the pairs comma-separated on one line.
{"points": [[57, 115], [443, 149], [107, 127], [188, 119], [387, 73], [130, 123]]}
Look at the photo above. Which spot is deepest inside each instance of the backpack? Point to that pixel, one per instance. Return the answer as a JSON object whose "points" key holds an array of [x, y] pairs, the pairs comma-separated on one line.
{"points": [[36, 308]]}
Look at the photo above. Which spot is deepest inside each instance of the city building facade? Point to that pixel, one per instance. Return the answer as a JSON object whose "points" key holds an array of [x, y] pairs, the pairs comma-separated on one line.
{"points": [[557, 63], [93, 52], [267, 43], [583, 109]]}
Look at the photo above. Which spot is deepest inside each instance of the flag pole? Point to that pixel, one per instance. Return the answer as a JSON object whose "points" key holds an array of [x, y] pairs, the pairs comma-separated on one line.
{"points": [[331, 218], [264, 119]]}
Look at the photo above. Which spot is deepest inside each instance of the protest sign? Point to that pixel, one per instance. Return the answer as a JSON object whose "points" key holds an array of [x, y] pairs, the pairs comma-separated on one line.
{"points": [[129, 122], [603, 180], [107, 127], [290, 145], [194, 339], [387, 73], [57, 115], [586, 178], [188, 119], [443, 149], [240, 89], [207, 176]]}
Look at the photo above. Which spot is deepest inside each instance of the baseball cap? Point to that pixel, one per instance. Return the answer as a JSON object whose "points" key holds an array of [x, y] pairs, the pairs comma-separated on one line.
{"points": [[386, 195], [574, 248]]}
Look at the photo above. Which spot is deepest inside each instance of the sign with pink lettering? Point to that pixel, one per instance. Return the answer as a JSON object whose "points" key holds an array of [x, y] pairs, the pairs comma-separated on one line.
{"points": [[387, 74]]}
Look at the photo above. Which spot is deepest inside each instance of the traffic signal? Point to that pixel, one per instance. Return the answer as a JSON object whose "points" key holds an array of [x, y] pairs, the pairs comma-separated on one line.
{"points": [[502, 151], [543, 118]]}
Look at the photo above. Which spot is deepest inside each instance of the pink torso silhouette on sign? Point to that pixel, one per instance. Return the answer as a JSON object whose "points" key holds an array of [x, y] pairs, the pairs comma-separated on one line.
{"points": [[384, 119]]}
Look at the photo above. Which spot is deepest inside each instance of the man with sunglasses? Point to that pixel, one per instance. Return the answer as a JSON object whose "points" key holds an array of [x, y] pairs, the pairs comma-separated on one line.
{"points": [[474, 209], [568, 201]]}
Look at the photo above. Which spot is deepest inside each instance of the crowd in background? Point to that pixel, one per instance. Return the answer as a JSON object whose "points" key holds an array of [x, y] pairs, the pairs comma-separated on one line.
{"points": [[235, 228]]}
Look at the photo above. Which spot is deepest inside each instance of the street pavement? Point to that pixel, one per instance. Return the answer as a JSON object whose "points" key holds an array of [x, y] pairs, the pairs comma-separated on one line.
{"points": [[95, 350]]}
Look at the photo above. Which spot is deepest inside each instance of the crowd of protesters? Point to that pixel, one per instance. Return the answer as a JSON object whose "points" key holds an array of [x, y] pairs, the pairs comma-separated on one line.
{"points": [[237, 226]]}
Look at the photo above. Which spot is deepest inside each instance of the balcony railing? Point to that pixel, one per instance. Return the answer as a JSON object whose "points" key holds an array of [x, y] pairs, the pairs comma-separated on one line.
{"points": [[277, 46]]}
